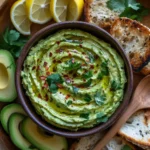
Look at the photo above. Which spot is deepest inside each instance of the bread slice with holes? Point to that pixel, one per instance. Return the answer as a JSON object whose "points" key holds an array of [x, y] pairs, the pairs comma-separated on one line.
{"points": [[97, 12], [88, 143], [134, 37], [137, 129]]}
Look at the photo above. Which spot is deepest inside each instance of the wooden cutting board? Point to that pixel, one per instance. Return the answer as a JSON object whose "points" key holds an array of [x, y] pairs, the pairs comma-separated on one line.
{"points": [[5, 5]]}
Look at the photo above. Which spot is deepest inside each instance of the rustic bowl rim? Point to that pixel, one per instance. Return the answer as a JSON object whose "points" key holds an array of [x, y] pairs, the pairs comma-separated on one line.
{"points": [[95, 30]]}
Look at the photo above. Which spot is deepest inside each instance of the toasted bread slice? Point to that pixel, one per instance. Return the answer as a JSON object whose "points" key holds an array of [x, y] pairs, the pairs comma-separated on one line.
{"points": [[88, 143], [137, 129], [97, 12], [134, 37]]}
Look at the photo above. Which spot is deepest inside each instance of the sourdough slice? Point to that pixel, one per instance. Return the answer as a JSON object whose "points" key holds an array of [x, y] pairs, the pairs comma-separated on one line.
{"points": [[134, 37], [137, 129], [97, 12], [88, 143]]}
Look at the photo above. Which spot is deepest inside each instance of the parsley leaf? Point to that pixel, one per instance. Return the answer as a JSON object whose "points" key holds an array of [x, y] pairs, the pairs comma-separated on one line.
{"points": [[75, 89], [99, 98], [12, 40], [128, 8], [85, 115], [72, 65], [88, 75], [53, 80], [87, 98], [126, 147]]}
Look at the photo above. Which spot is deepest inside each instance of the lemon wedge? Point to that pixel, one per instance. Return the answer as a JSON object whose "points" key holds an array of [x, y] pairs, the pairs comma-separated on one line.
{"points": [[66, 10], [19, 17], [38, 11]]}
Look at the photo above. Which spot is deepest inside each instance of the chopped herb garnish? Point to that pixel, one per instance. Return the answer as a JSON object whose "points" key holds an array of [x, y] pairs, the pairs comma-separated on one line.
{"points": [[75, 89], [88, 83], [12, 41], [88, 75], [91, 57], [69, 102], [53, 80], [126, 147], [115, 85], [99, 98], [87, 98], [85, 115], [128, 8], [72, 65]]}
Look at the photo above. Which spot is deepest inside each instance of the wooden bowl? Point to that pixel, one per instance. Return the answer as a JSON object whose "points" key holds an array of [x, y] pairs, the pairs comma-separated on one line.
{"points": [[96, 31]]}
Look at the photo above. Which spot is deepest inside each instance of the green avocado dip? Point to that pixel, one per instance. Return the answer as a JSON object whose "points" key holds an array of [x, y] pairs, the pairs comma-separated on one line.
{"points": [[73, 79]]}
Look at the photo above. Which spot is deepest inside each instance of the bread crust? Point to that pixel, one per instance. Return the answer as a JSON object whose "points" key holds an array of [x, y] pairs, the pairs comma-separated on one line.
{"points": [[126, 31]]}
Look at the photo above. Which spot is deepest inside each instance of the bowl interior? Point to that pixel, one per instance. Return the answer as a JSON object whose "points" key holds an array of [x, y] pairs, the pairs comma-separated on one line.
{"points": [[96, 31]]}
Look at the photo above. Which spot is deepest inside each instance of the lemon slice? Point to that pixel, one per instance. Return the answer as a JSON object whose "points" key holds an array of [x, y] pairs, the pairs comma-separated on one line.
{"points": [[38, 11], [66, 10], [19, 17]]}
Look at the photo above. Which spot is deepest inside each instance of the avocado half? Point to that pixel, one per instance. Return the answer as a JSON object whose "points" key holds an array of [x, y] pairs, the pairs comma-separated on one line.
{"points": [[7, 77]]}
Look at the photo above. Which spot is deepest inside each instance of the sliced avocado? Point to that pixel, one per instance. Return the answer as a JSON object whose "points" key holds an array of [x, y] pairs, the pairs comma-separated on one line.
{"points": [[7, 111], [15, 134], [7, 77], [40, 139]]}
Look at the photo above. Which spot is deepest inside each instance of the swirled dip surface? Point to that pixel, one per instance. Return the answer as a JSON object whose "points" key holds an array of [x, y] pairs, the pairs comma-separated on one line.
{"points": [[73, 79]]}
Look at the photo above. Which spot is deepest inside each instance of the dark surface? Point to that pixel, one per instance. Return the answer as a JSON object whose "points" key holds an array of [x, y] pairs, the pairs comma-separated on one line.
{"points": [[98, 32]]}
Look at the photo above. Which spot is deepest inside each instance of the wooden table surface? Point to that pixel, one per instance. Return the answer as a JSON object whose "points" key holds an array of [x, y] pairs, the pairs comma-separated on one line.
{"points": [[5, 142]]}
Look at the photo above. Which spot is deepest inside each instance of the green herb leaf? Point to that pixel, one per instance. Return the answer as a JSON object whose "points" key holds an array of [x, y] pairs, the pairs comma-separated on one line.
{"points": [[88, 75], [75, 89], [85, 115], [87, 98], [72, 65], [128, 8], [12, 40], [69, 103], [88, 83], [116, 5], [53, 80], [126, 147], [99, 98]]}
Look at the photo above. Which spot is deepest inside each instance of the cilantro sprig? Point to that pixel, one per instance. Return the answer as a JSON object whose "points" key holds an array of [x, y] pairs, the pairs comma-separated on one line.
{"points": [[12, 40], [128, 8], [53, 81]]}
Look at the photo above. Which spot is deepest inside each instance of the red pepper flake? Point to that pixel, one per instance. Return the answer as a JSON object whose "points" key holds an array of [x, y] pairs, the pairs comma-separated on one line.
{"points": [[80, 45], [58, 42], [50, 54], [33, 67], [43, 77], [48, 73], [60, 86], [91, 66], [45, 64], [39, 96], [54, 61], [67, 96]]}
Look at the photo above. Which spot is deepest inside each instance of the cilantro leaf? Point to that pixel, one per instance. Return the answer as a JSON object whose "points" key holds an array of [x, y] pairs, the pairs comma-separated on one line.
{"points": [[88, 75], [69, 103], [87, 98], [53, 80], [72, 65], [85, 115], [99, 98], [126, 147], [12, 40], [75, 89], [128, 8], [116, 5]]}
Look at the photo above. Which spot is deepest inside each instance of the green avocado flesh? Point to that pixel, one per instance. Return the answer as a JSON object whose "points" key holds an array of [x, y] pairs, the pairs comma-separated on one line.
{"points": [[73, 79], [7, 77]]}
